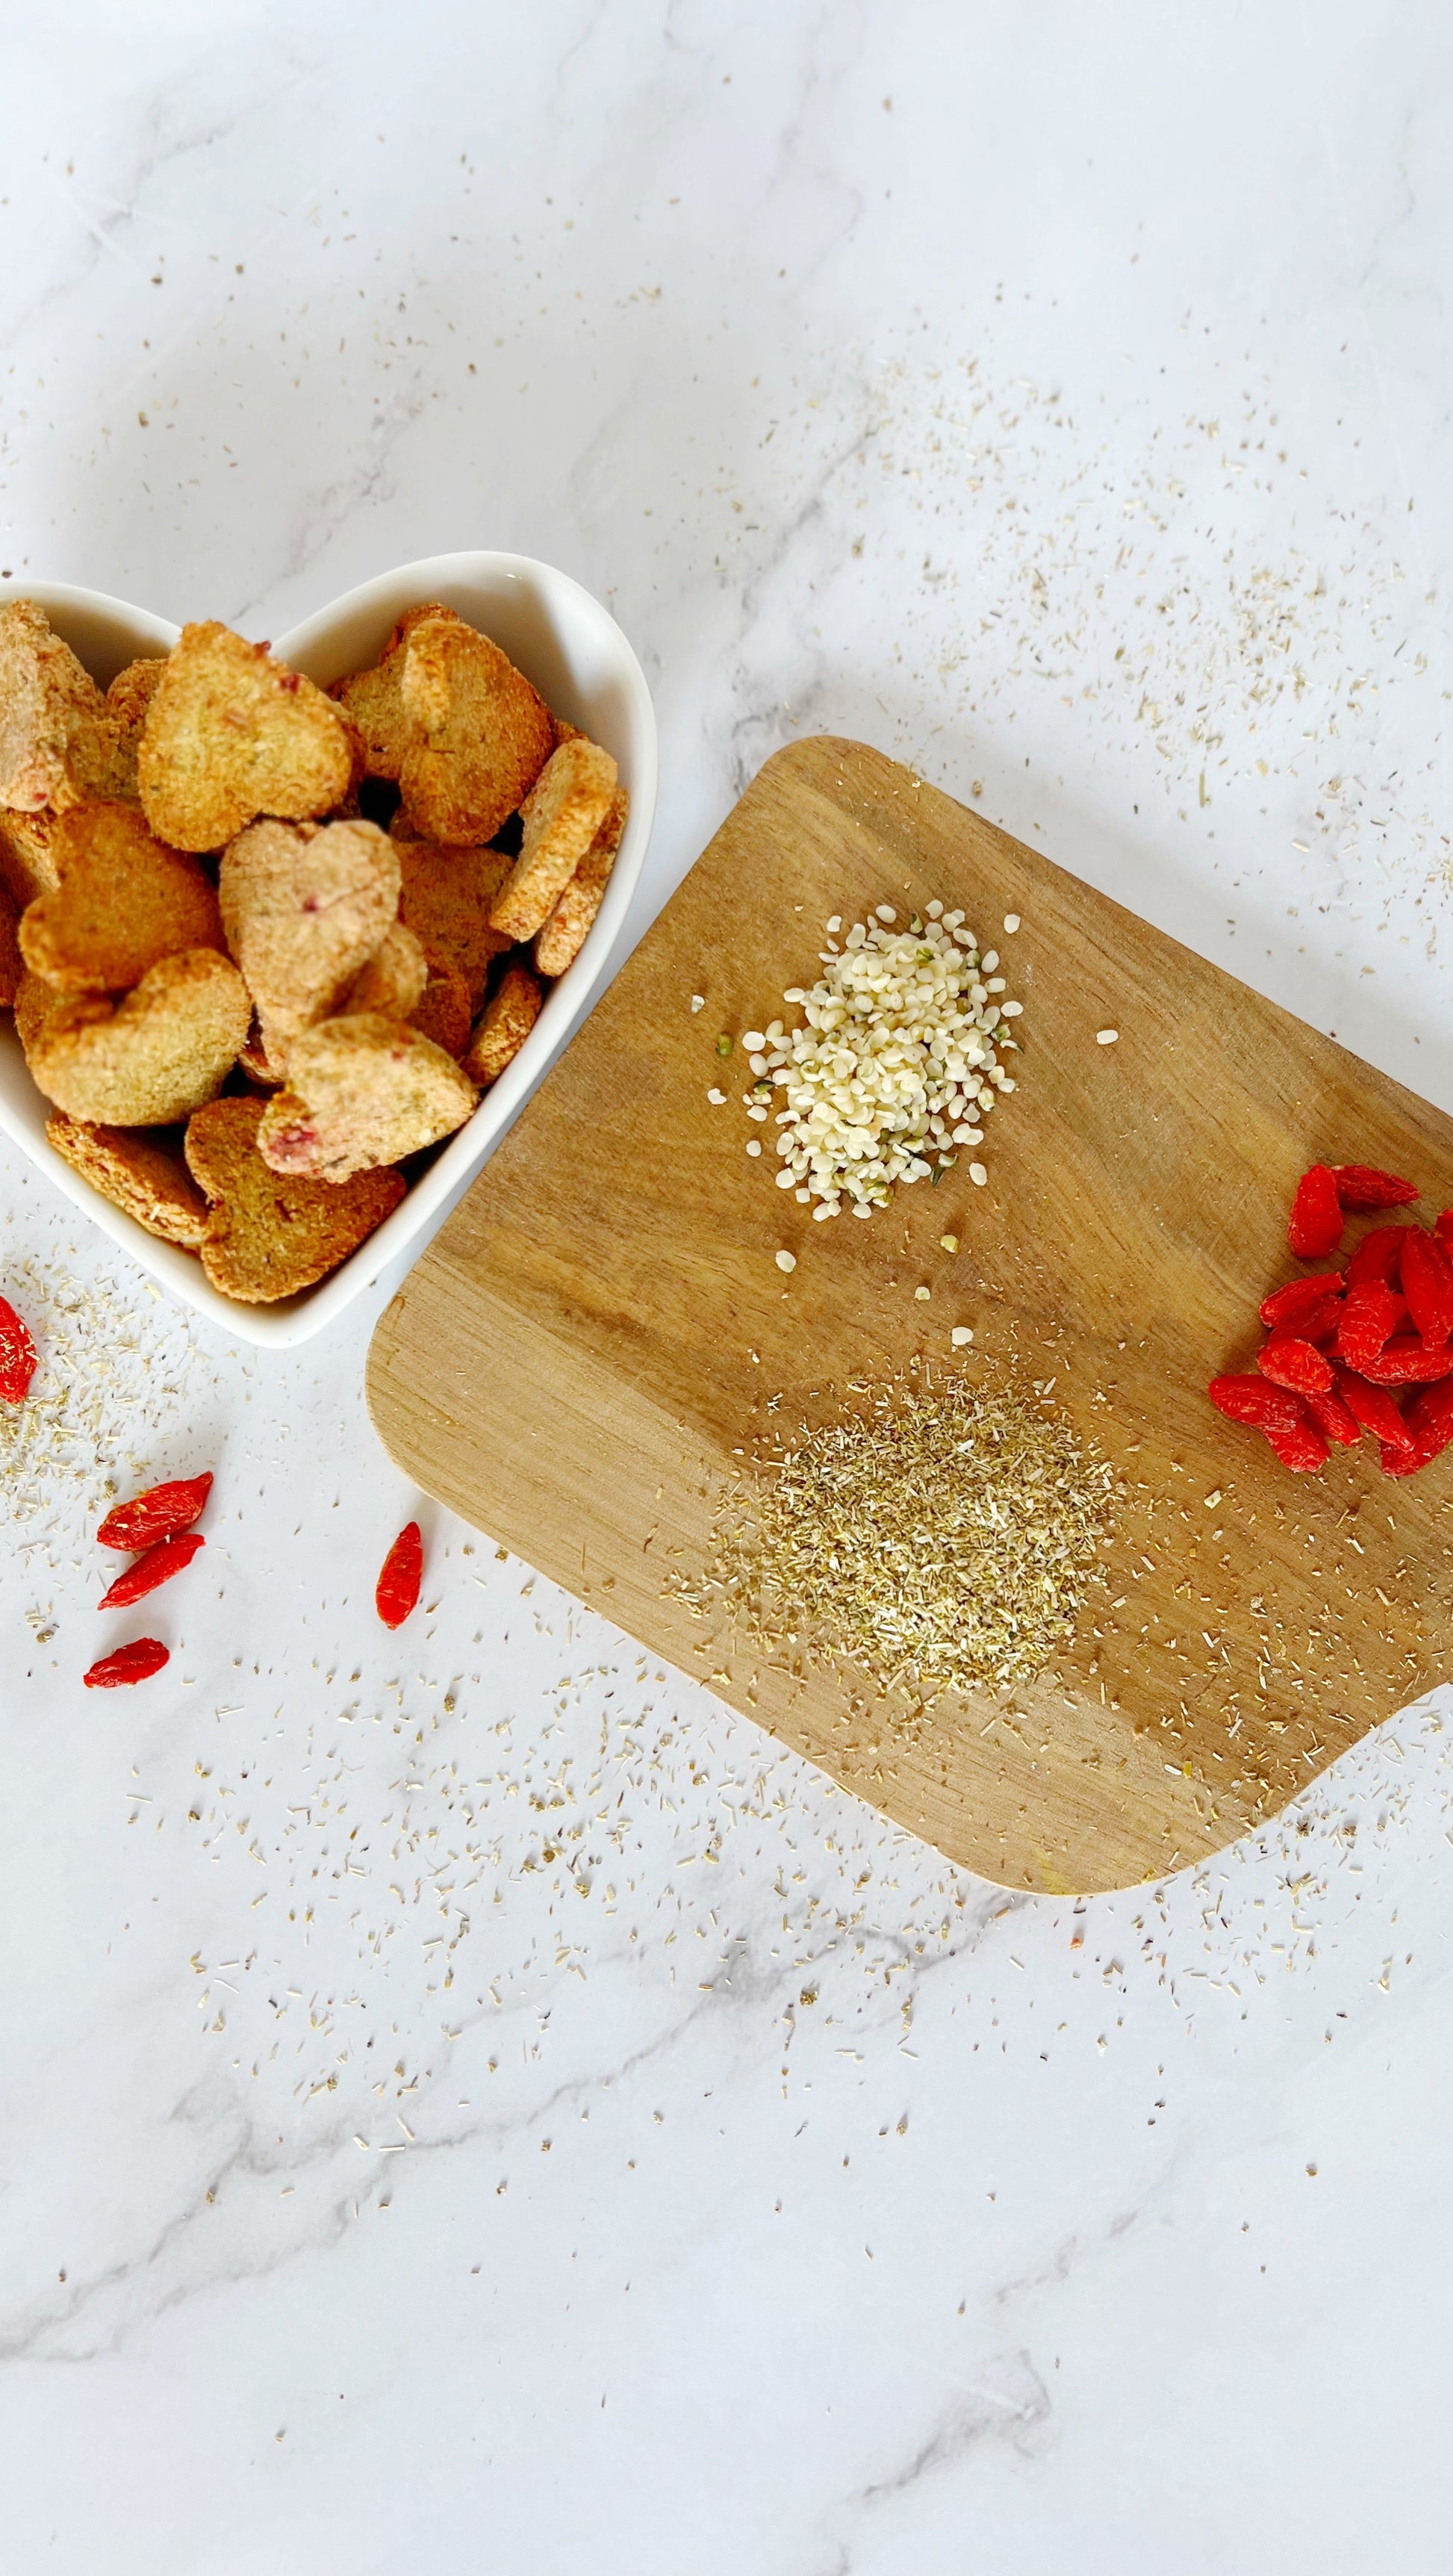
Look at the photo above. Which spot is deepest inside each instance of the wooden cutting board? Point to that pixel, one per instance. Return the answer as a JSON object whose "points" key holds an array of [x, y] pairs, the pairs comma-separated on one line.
{"points": [[592, 1342]]}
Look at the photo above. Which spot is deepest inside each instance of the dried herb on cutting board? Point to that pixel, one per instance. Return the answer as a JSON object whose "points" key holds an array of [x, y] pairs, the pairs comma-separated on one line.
{"points": [[942, 1537]]}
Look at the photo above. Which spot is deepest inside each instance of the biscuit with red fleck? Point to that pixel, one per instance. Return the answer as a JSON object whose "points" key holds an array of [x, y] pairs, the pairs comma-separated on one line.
{"points": [[12, 964], [478, 735], [57, 735], [562, 814], [443, 1013], [270, 1234], [394, 979], [123, 902], [136, 1174], [445, 900], [231, 734], [560, 939], [374, 698], [506, 1022], [127, 700], [154, 1056], [362, 1092], [304, 909]]}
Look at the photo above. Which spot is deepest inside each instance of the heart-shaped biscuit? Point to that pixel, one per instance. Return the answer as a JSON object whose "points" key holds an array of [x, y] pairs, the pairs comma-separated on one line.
{"points": [[270, 1234], [231, 734], [136, 1174], [58, 739], [362, 1091], [122, 903], [446, 713], [304, 910], [151, 1058], [12, 965]]}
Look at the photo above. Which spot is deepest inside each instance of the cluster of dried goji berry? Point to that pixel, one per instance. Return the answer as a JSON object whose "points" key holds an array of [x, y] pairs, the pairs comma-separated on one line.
{"points": [[155, 1530], [1340, 1341]]}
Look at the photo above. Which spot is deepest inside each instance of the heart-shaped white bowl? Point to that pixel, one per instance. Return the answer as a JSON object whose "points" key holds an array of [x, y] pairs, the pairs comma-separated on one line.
{"points": [[578, 659]]}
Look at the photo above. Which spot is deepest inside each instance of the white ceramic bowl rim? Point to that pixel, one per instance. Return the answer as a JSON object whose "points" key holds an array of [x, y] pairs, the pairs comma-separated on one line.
{"points": [[568, 644]]}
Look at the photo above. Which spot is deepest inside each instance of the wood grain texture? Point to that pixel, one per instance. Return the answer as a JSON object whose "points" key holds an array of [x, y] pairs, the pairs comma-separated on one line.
{"points": [[582, 1357]]}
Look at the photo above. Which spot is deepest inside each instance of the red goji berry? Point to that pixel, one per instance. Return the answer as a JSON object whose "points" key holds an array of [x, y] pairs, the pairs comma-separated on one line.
{"points": [[1443, 1228], [1374, 1408], [1429, 1420], [1315, 1224], [1405, 1361], [1304, 1450], [158, 1565], [1255, 1400], [1378, 1256], [133, 1663], [17, 1356], [1286, 1310], [1428, 1287], [158, 1513], [402, 1575], [1361, 1187], [1334, 1418], [1398, 1462], [1370, 1314], [1289, 1362]]}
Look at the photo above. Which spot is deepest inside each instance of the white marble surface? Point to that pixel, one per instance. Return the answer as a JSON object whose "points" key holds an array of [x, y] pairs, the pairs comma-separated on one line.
{"points": [[466, 2097]]}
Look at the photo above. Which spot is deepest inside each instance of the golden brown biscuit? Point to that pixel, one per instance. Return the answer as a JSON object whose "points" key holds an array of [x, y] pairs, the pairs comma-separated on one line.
{"points": [[231, 734], [508, 1017], [127, 700], [374, 699], [12, 965], [559, 942], [304, 909], [136, 1174], [394, 979], [479, 734], [362, 1092], [443, 1014], [34, 1002], [27, 855], [562, 814], [57, 736], [445, 900], [151, 1058], [269, 1235], [123, 901]]}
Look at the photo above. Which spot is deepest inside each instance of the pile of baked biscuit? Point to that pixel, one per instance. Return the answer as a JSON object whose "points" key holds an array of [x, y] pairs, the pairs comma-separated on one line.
{"points": [[264, 943]]}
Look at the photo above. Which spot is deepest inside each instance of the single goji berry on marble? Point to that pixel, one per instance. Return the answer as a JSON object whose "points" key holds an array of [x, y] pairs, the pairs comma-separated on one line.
{"points": [[1378, 1256], [1361, 1187], [1428, 1286], [1255, 1400], [1286, 1310], [158, 1513], [1314, 1227], [17, 1356], [1293, 1363], [134, 1663], [156, 1566], [401, 1577]]}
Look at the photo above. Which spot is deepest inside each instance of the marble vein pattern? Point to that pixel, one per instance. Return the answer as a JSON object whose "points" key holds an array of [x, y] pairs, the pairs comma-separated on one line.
{"points": [[468, 2094]]}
